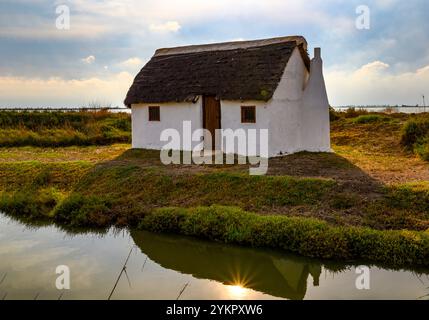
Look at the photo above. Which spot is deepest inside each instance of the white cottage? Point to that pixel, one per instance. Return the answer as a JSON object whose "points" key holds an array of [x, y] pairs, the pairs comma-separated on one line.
{"points": [[262, 84]]}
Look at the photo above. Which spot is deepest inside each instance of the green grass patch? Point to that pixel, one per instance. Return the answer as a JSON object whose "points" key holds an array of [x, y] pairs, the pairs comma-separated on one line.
{"points": [[308, 237], [59, 129], [344, 200], [370, 118], [34, 205], [411, 196], [121, 193], [88, 211], [415, 136], [422, 148], [129, 192], [33, 175], [153, 187]]}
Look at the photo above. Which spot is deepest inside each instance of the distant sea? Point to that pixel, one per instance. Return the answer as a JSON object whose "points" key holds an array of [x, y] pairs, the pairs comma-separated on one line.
{"points": [[404, 109]]}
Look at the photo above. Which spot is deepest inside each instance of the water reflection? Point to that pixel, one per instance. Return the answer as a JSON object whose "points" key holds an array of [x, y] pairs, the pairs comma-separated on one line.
{"points": [[239, 268], [166, 266]]}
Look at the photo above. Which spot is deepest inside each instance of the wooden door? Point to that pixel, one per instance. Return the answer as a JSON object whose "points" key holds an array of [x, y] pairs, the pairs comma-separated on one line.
{"points": [[211, 117]]}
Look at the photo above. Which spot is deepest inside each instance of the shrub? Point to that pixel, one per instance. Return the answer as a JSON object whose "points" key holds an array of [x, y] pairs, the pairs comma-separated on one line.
{"points": [[36, 204], [423, 149], [333, 114], [415, 137], [414, 131], [370, 118], [79, 210], [353, 113]]}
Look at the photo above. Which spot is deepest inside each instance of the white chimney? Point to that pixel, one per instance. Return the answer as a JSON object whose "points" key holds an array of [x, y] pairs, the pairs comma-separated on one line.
{"points": [[315, 109], [317, 53]]}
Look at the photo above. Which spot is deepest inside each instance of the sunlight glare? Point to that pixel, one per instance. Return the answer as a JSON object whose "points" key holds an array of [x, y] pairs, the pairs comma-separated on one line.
{"points": [[237, 291]]}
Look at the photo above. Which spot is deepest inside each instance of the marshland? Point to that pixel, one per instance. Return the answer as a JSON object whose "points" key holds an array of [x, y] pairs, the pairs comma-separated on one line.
{"points": [[365, 203]]}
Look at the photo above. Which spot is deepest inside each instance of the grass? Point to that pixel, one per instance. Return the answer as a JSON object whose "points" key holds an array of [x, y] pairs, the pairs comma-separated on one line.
{"points": [[92, 154], [415, 136], [372, 193], [59, 129], [31, 205], [377, 148], [33, 175], [308, 237], [123, 191], [370, 118]]}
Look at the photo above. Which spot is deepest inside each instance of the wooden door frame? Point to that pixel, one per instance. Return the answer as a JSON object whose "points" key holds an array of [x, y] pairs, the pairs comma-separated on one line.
{"points": [[204, 114]]}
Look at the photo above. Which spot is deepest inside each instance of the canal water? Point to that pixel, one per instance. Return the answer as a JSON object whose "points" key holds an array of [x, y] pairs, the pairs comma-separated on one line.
{"points": [[173, 267]]}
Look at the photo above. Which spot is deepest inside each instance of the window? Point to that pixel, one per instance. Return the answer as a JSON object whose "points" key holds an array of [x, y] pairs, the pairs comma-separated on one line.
{"points": [[248, 114], [154, 114]]}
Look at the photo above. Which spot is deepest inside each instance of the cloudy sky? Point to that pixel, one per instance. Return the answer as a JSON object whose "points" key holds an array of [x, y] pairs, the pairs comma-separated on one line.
{"points": [[110, 40]]}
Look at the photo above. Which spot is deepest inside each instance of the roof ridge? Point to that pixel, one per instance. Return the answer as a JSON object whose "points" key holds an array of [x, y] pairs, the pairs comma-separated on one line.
{"points": [[223, 46]]}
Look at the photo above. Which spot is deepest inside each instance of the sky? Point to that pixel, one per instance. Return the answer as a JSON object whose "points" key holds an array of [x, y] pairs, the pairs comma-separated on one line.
{"points": [[108, 41]]}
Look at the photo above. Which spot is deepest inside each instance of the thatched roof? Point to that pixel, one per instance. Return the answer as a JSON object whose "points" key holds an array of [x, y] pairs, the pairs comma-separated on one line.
{"points": [[244, 70]]}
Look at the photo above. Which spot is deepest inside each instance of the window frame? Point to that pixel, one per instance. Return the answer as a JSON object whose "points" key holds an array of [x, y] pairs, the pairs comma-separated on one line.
{"points": [[151, 117], [243, 113]]}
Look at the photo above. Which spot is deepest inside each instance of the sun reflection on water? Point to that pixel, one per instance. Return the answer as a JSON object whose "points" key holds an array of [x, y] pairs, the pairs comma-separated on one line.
{"points": [[237, 291]]}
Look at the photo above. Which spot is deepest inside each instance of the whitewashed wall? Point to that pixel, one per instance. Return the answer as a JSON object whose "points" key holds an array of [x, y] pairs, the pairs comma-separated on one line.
{"points": [[146, 134], [231, 119], [281, 115], [285, 108]]}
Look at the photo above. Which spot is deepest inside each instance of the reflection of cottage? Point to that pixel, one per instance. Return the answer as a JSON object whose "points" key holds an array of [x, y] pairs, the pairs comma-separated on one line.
{"points": [[261, 270], [263, 84]]}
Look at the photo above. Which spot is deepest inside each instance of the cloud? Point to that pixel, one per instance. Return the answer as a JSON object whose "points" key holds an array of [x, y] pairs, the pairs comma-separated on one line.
{"points": [[373, 68], [89, 59], [385, 4], [58, 92], [169, 26], [132, 63], [423, 70], [375, 84]]}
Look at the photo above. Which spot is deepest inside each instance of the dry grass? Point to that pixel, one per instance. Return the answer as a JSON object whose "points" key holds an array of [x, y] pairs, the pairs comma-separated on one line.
{"points": [[376, 149], [370, 169], [92, 154]]}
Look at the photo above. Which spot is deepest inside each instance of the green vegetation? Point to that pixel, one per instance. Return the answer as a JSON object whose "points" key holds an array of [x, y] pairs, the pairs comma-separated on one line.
{"points": [[369, 200], [308, 237], [123, 191], [370, 118], [415, 136], [333, 115], [410, 196], [32, 189], [55, 129], [351, 113], [34, 175]]}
